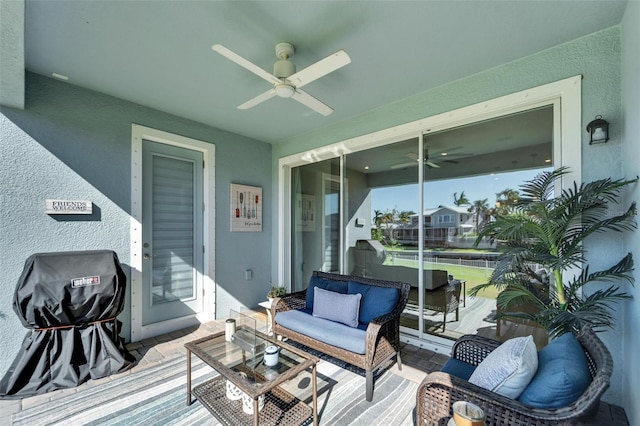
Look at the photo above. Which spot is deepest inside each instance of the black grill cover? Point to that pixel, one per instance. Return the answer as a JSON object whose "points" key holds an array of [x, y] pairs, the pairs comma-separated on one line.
{"points": [[69, 302]]}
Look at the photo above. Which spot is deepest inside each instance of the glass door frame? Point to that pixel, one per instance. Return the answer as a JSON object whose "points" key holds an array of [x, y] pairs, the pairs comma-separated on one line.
{"points": [[565, 97]]}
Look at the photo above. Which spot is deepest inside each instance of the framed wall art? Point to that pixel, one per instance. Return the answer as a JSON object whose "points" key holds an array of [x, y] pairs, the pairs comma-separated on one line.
{"points": [[246, 208]]}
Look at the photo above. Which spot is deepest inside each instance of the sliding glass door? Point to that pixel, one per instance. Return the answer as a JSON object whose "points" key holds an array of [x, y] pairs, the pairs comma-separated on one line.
{"points": [[410, 209]]}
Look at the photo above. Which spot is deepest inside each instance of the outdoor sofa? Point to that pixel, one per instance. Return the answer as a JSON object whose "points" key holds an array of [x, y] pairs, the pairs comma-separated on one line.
{"points": [[354, 319]]}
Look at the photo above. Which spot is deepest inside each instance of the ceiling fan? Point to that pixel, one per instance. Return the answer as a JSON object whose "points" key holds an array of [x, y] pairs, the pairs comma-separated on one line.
{"points": [[287, 83], [433, 160]]}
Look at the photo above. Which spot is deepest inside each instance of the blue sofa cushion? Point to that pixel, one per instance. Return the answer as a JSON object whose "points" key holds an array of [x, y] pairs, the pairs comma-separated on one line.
{"points": [[325, 284], [333, 306], [330, 332], [562, 376], [460, 369], [376, 300]]}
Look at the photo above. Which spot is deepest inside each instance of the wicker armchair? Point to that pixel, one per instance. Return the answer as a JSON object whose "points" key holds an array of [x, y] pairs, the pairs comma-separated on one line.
{"points": [[444, 299], [383, 333], [438, 391]]}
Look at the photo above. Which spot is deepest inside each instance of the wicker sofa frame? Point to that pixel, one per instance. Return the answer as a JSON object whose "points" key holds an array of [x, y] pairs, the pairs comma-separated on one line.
{"points": [[438, 391], [382, 335]]}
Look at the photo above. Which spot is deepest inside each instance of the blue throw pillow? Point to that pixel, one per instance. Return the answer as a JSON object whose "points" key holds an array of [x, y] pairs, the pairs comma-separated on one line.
{"points": [[338, 307], [376, 300], [562, 376], [325, 284]]}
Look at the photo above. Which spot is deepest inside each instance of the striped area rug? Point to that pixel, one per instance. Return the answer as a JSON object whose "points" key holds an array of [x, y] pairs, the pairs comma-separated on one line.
{"points": [[157, 396]]}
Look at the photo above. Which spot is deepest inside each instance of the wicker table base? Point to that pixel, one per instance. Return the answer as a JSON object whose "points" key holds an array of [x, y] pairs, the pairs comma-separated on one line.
{"points": [[280, 407]]}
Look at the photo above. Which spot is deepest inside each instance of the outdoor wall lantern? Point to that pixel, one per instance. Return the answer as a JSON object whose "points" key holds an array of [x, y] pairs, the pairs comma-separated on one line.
{"points": [[599, 130]]}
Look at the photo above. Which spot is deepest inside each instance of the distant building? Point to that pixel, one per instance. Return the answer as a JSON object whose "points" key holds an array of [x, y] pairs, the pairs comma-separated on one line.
{"points": [[441, 225]]}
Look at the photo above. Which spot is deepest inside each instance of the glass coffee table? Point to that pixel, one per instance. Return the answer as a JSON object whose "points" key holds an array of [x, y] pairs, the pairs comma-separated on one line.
{"points": [[242, 370]]}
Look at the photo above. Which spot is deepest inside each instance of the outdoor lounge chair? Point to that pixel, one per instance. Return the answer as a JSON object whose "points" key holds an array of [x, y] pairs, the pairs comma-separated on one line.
{"points": [[444, 299], [438, 391]]}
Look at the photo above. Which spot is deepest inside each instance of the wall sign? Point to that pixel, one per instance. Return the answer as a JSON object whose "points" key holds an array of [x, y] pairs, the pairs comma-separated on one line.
{"points": [[68, 207], [246, 208]]}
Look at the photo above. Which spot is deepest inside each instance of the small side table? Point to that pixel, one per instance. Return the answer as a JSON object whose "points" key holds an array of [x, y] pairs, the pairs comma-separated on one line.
{"points": [[267, 305]]}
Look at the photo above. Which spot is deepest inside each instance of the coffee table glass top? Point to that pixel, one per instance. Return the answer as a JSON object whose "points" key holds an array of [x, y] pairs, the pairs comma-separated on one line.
{"points": [[231, 359], [232, 356]]}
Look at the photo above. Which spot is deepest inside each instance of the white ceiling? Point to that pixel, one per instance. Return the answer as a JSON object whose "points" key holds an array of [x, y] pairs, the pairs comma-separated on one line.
{"points": [[158, 53]]}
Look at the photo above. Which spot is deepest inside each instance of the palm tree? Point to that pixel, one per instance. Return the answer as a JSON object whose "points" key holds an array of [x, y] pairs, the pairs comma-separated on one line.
{"points": [[461, 200], [405, 216], [548, 229], [505, 201], [479, 207], [387, 220], [377, 218]]}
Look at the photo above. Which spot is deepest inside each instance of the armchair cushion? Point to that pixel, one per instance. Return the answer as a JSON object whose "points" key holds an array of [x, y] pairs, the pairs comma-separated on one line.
{"points": [[460, 369], [509, 368], [562, 375], [343, 308], [376, 300]]}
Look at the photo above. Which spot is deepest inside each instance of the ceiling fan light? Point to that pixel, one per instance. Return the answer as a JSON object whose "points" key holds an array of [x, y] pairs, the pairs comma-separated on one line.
{"points": [[284, 90]]}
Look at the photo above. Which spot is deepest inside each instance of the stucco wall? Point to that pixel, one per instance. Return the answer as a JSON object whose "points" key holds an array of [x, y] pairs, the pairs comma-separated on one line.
{"points": [[12, 59], [72, 143], [631, 154], [596, 56]]}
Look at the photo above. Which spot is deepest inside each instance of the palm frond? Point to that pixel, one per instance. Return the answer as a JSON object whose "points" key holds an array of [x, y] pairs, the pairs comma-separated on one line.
{"points": [[540, 187], [549, 228], [516, 296]]}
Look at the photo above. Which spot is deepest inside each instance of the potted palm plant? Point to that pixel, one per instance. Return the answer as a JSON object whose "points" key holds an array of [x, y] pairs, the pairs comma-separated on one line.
{"points": [[542, 253]]}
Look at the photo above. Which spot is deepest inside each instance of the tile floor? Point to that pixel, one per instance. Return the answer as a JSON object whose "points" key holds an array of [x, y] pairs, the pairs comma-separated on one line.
{"points": [[417, 363]]}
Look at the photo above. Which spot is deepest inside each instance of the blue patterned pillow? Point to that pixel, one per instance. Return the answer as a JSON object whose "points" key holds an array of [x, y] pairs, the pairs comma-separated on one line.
{"points": [[509, 368], [338, 307]]}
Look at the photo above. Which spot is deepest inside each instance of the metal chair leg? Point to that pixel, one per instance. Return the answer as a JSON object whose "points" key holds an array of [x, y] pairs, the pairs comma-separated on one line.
{"points": [[369, 378]]}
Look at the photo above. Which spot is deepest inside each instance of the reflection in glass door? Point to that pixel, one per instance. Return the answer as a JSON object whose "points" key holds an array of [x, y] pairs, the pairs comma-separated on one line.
{"points": [[315, 224], [423, 228]]}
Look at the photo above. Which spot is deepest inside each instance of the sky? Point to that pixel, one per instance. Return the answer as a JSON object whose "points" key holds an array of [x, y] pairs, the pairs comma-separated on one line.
{"points": [[405, 198]]}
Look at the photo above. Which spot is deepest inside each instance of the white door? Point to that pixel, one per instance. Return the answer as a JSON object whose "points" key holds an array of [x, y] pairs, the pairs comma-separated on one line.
{"points": [[172, 232]]}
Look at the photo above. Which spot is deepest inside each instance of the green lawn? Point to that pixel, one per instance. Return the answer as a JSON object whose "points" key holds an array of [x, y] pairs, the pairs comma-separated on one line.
{"points": [[473, 276]]}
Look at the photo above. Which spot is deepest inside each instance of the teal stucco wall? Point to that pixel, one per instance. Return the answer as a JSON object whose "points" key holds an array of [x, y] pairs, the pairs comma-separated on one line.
{"points": [[73, 143], [597, 57], [631, 164]]}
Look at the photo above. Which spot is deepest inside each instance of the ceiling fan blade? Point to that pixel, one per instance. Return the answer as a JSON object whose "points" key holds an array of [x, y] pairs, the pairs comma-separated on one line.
{"points": [[320, 68], [444, 150], [258, 99], [432, 164], [452, 156], [308, 100], [404, 165], [245, 64]]}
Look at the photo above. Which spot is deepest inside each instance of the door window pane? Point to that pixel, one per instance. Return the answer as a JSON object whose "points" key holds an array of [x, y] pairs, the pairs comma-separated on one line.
{"points": [[173, 233]]}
